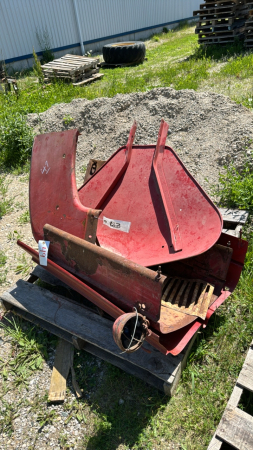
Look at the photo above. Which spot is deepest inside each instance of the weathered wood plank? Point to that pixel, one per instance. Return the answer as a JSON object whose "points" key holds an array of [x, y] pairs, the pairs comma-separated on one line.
{"points": [[62, 363], [236, 428], [47, 277], [89, 80], [127, 366], [234, 215], [245, 378], [62, 334], [236, 232], [215, 443], [235, 396]]}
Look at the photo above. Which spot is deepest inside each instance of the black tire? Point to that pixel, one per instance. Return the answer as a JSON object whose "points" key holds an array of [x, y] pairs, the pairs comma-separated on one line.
{"points": [[124, 52]]}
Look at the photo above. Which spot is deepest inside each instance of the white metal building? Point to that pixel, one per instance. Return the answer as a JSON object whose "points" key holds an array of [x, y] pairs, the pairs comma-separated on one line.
{"points": [[78, 26]]}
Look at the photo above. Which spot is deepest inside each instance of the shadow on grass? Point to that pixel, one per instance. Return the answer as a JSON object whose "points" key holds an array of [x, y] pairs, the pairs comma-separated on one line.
{"points": [[218, 52], [126, 407], [132, 423]]}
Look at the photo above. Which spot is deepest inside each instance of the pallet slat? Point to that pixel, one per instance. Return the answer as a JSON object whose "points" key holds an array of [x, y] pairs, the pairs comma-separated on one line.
{"points": [[236, 426]]}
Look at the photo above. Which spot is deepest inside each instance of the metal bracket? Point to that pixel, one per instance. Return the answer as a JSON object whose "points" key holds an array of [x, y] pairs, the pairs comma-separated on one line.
{"points": [[164, 191], [91, 225]]}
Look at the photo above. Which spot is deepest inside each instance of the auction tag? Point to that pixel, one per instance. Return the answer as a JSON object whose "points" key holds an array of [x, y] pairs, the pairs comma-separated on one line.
{"points": [[43, 251], [119, 225]]}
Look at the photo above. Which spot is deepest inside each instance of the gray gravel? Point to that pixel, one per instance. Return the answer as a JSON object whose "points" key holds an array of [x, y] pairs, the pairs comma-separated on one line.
{"points": [[206, 130]]}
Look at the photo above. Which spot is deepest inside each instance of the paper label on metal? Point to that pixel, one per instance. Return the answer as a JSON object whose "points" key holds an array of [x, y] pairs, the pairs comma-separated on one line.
{"points": [[119, 225], [43, 251]]}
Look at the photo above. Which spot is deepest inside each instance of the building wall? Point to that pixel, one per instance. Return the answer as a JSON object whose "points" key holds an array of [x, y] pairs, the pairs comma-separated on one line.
{"points": [[24, 22]]}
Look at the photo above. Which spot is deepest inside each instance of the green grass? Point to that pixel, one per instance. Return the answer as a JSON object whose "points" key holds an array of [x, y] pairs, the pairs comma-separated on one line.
{"points": [[30, 349], [24, 218], [236, 187], [3, 259]]}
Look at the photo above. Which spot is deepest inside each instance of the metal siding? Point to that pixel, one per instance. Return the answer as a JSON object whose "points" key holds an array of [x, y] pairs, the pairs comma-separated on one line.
{"points": [[19, 20]]}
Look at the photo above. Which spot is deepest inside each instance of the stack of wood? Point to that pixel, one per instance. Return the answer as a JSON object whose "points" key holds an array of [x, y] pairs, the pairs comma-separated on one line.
{"points": [[249, 30], [76, 69], [221, 21]]}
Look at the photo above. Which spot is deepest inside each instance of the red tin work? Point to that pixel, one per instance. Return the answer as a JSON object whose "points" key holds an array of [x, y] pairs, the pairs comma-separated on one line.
{"points": [[160, 199], [53, 194], [139, 225]]}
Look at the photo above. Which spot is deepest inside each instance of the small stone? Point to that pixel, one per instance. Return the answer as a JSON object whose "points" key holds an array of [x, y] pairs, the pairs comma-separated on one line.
{"points": [[121, 401]]}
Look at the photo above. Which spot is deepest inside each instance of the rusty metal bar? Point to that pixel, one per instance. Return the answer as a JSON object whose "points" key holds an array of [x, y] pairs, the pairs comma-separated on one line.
{"points": [[91, 225]]}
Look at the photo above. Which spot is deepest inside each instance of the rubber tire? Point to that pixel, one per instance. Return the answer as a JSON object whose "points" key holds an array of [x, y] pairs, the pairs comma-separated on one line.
{"points": [[132, 52]]}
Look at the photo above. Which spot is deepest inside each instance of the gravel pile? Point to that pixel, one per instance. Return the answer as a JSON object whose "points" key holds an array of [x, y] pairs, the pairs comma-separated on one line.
{"points": [[206, 130]]}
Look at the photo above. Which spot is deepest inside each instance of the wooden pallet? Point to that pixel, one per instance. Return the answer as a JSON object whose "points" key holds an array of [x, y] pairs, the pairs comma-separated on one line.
{"points": [[84, 327], [217, 40], [222, 22], [71, 67], [94, 77], [233, 221], [249, 32], [236, 426]]}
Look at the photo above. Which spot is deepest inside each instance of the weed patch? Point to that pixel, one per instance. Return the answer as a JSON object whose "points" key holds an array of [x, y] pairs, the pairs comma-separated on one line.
{"points": [[24, 266], [236, 187], [3, 259], [24, 218], [30, 349], [5, 205], [16, 139]]}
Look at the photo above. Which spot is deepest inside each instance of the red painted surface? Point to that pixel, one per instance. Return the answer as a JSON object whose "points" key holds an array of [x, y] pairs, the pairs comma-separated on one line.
{"points": [[126, 188], [53, 194], [137, 199], [172, 218]]}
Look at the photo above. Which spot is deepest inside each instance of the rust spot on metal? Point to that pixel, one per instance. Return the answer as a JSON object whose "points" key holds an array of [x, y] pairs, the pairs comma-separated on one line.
{"points": [[130, 331], [120, 278], [191, 297]]}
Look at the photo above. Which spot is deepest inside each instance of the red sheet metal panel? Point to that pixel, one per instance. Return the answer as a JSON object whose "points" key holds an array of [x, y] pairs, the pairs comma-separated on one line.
{"points": [[136, 199], [167, 219], [53, 194]]}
